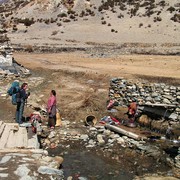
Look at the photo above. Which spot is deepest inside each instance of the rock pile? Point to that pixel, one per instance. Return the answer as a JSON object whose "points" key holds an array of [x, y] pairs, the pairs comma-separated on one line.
{"points": [[144, 93], [158, 103]]}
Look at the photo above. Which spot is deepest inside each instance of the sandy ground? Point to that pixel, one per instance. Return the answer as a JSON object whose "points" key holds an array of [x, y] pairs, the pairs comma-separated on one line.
{"points": [[128, 66], [82, 82]]}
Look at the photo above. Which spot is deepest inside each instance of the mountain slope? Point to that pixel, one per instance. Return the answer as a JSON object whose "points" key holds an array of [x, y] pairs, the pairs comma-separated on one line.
{"points": [[84, 22]]}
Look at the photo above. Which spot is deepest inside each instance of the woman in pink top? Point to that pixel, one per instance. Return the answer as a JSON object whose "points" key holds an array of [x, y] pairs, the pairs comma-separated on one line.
{"points": [[51, 109]]}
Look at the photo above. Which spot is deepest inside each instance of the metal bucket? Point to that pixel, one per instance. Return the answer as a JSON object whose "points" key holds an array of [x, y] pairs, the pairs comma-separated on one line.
{"points": [[90, 120]]}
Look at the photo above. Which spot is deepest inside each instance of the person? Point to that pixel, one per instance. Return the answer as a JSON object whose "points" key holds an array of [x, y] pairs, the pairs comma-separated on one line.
{"points": [[132, 109], [21, 100], [51, 109]]}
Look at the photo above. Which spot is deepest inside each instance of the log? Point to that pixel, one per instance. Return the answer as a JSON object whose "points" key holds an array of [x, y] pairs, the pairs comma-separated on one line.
{"points": [[122, 131]]}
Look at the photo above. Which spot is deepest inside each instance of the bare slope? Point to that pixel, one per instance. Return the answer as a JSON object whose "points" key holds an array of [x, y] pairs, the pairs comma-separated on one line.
{"points": [[94, 21]]}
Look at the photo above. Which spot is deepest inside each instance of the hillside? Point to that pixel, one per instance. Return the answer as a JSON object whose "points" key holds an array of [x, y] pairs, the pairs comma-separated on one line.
{"points": [[82, 23]]}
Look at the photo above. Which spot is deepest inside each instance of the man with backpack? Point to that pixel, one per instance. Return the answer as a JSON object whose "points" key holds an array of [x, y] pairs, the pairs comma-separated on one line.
{"points": [[21, 100]]}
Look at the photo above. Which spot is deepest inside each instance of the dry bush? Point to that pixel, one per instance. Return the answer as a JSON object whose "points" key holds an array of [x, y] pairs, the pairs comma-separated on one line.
{"points": [[15, 27], [53, 20], [72, 16], [171, 9], [47, 21], [176, 18], [62, 15], [54, 33], [28, 48], [66, 20], [26, 21], [120, 16], [59, 24], [140, 25]]}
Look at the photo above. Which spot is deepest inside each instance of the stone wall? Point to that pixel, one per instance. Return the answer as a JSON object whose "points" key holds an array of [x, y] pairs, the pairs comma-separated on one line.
{"points": [[144, 93]]}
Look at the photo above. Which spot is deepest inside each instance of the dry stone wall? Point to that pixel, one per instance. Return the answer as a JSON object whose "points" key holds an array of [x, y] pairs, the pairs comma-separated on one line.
{"points": [[124, 91]]}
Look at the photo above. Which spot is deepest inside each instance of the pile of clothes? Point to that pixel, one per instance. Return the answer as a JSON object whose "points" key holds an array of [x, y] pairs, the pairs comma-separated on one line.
{"points": [[109, 120]]}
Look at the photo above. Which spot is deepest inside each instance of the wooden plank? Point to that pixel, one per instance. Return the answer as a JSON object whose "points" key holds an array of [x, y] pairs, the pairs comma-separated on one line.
{"points": [[4, 137], [11, 142], [25, 139], [21, 139], [13, 126], [2, 129], [33, 142]]}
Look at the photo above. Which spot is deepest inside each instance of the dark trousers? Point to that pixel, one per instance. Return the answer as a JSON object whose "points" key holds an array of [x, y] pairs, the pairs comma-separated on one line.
{"points": [[19, 112], [52, 121]]}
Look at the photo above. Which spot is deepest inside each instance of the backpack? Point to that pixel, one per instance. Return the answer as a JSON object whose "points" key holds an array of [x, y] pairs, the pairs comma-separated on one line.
{"points": [[16, 97], [14, 91]]}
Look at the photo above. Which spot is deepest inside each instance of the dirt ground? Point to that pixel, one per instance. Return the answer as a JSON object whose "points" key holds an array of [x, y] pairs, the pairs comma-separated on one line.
{"points": [[82, 81], [128, 66], [82, 85]]}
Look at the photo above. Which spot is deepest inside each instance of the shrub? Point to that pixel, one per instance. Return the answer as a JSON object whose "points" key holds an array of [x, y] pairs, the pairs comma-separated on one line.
{"points": [[54, 33], [120, 16], [62, 15], [47, 21], [171, 9], [140, 25], [72, 16], [53, 20], [15, 28], [157, 19], [26, 21], [71, 11], [82, 14], [28, 48], [176, 18], [66, 20], [59, 24]]}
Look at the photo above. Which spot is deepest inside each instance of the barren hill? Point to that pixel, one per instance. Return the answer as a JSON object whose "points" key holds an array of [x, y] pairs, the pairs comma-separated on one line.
{"points": [[83, 23]]}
